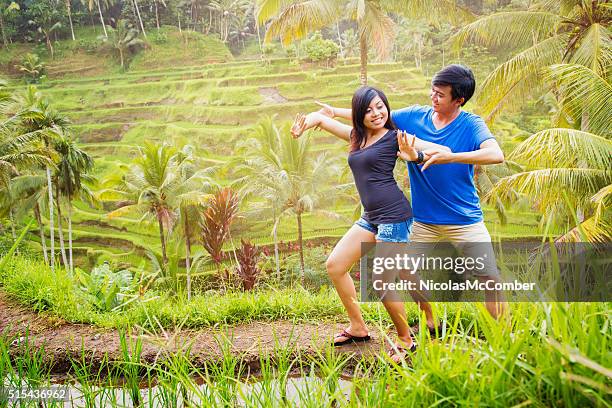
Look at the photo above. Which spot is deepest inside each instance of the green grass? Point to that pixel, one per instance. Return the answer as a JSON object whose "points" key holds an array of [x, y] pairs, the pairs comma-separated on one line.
{"points": [[548, 354]]}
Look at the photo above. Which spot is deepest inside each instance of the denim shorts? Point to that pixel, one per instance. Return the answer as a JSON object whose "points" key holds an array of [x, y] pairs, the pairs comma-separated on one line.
{"points": [[398, 232]]}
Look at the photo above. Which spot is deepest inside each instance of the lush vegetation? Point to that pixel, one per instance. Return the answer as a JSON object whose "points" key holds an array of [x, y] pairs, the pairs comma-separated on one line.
{"points": [[546, 358]]}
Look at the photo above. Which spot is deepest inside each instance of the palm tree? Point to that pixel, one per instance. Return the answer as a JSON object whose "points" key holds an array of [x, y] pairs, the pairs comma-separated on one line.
{"points": [[149, 188], [30, 190], [191, 199], [284, 171], [547, 34], [123, 39], [69, 10], [90, 6], [292, 20], [566, 169], [72, 170], [139, 18], [31, 113], [565, 49]]}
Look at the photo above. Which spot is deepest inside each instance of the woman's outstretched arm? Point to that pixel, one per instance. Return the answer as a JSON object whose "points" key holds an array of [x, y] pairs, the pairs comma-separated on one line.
{"points": [[344, 113], [315, 119]]}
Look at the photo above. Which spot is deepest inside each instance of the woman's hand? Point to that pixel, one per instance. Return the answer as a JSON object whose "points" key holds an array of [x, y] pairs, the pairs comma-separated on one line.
{"points": [[326, 110], [299, 125], [406, 145]]}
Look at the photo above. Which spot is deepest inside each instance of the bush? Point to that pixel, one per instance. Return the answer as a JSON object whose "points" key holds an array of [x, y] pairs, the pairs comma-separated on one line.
{"points": [[106, 289], [160, 38], [90, 46], [32, 67], [317, 49], [315, 273]]}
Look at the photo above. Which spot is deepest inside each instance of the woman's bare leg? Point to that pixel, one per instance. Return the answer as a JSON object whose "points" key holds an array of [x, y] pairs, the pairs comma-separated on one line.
{"points": [[346, 252]]}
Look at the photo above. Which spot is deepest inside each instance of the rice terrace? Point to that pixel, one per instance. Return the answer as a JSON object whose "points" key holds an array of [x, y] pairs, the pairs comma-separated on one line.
{"points": [[193, 195]]}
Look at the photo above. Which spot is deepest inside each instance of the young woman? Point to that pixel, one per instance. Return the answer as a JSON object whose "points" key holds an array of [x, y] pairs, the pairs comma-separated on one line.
{"points": [[387, 217]]}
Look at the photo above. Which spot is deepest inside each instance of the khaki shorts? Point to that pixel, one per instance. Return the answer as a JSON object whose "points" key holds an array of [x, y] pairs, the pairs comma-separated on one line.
{"points": [[471, 240]]}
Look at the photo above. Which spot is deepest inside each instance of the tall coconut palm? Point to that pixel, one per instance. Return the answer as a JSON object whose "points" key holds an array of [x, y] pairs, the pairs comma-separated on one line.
{"points": [[547, 34], [30, 189], [193, 194], [566, 49], [69, 10], [292, 20], [90, 5], [149, 188], [73, 169], [285, 171], [31, 113]]}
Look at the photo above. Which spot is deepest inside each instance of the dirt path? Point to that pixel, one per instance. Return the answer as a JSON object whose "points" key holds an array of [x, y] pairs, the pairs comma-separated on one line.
{"points": [[272, 96], [61, 340]]}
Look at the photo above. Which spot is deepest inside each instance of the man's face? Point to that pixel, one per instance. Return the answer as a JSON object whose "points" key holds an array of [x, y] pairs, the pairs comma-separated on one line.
{"points": [[442, 99]]}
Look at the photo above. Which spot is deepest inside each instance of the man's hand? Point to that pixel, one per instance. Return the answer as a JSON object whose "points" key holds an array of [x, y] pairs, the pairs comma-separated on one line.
{"points": [[299, 125], [437, 156], [406, 145], [326, 110]]}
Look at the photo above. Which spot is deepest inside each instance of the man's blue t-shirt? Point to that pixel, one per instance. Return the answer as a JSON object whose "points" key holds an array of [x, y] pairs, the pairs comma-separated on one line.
{"points": [[444, 194]]}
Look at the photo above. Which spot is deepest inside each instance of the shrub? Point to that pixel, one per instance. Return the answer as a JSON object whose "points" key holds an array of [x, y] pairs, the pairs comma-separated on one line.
{"points": [[317, 49], [32, 67], [104, 288], [90, 46], [248, 257], [160, 38]]}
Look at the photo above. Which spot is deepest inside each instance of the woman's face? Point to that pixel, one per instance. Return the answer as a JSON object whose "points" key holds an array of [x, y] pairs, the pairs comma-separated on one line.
{"points": [[376, 115]]}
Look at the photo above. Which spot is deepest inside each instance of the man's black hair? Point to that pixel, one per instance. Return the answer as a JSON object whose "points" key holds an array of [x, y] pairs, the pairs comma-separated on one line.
{"points": [[460, 78]]}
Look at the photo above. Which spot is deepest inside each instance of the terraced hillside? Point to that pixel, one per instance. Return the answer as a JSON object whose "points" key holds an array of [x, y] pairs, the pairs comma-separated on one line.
{"points": [[212, 107]]}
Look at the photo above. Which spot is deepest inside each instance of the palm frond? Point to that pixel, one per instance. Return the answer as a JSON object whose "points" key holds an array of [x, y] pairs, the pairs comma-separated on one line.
{"points": [[567, 148], [583, 90], [543, 186], [299, 18], [510, 83], [433, 11], [511, 29], [595, 49], [265, 9], [378, 29]]}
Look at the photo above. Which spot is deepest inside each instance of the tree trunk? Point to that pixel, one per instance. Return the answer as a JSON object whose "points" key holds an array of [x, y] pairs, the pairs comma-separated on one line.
{"points": [[140, 19], [259, 38], [51, 226], [156, 16], [93, 22], [60, 229], [276, 257], [121, 57], [163, 241], [187, 260], [12, 219], [43, 240], [363, 60], [102, 19], [49, 44], [178, 15], [339, 38], [68, 8], [3, 32], [70, 235], [300, 245]]}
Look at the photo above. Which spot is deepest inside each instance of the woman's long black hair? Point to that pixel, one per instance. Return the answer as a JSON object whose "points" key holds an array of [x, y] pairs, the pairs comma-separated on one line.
{"points": [[361, 101]]}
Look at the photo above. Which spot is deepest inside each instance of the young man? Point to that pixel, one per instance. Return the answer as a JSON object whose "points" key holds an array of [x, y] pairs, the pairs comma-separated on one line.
{"points": [[444, 198]]}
